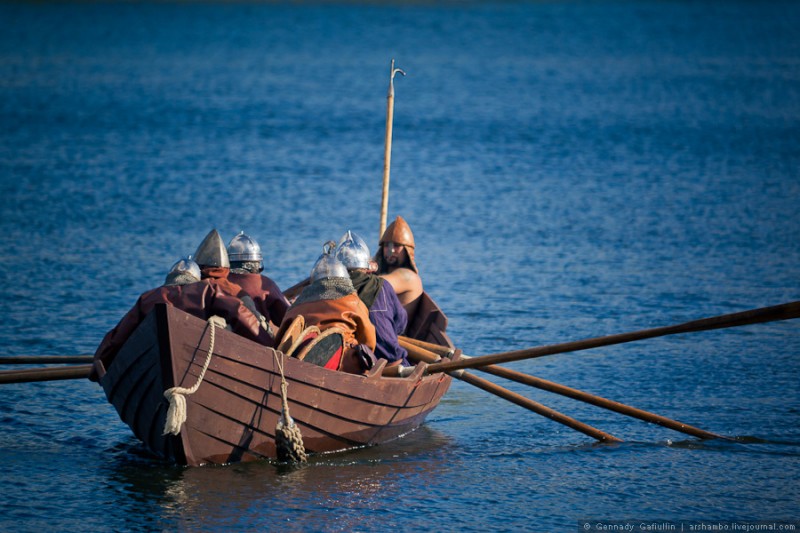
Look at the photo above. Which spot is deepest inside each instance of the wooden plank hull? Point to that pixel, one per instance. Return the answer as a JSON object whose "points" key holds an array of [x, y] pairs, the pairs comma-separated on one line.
{"points": [[232, 415]]}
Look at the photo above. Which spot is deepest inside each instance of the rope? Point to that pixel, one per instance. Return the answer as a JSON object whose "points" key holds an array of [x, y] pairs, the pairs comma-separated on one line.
{"points": [[288, 439], [176, 414]]}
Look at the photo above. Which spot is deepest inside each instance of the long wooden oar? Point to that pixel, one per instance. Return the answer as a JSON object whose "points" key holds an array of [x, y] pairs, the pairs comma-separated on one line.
{"points": [[754, 316], [611, 405], [45, 374], [420, 354], [576, 394], [538, 408], [44, 359]]}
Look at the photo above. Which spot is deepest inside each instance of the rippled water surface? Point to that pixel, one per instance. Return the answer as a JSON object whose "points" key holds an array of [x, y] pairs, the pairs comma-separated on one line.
{"points": [[569, 170]]}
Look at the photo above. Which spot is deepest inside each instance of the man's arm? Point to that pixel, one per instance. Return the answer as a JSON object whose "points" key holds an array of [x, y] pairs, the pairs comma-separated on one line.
{"points": [[406, 284]]}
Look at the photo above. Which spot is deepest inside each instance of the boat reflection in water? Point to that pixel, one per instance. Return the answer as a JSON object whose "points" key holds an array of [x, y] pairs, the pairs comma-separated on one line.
{"points": [[352, 487]]}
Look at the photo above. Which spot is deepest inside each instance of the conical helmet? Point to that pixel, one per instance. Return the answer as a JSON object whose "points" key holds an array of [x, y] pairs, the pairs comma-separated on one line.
{"points": [[327, 266], [398, 232], [352, 251], [244, 248], [183, 272], [211, 252]]}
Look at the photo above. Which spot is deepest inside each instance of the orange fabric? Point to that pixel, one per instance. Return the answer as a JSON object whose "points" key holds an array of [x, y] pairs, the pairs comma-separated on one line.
{"points": [[348, 313]]}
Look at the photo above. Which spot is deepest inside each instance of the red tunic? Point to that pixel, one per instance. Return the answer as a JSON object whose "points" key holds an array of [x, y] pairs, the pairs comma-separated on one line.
{"points": [[268, 298], [202, 299]]}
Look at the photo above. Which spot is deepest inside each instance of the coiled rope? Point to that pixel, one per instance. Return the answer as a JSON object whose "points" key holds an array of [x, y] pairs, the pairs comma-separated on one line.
{"points": [[176, 414], [288, 439]]}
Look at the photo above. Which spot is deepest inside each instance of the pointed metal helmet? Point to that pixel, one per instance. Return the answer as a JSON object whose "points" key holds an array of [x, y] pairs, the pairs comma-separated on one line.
{"points": [[183, 272], [244, 248], [353, 252], [211, 252], [398, 231], [327, 266]]}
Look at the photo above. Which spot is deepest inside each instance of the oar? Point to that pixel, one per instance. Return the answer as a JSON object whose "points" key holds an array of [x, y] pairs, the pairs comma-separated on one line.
{"points": [[576, 394], [611, 405], [387, 152], [44, 359], [45, 374], [420, 354], [754, 316]]}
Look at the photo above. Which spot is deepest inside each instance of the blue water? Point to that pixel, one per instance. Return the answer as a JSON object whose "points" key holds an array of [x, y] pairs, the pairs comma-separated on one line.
{"points": [[569, 170]]}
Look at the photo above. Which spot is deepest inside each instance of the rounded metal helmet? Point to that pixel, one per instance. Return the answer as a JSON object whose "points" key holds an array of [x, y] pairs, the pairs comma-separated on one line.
{"points": [[353, 252], [183, 272], [244, 248], [327, 266], [211, 252]]}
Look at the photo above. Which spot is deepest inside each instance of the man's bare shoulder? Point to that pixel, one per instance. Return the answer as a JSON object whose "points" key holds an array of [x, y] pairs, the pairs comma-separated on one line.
{"points": [[407, 274], [403, 280]]}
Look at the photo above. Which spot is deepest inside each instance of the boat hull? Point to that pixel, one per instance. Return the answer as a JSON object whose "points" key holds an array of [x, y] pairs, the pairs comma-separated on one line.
{"points": [[233, 413]]}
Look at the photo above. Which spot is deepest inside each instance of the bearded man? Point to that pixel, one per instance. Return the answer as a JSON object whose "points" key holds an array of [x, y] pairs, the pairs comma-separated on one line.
{"points": [[395, 259]]}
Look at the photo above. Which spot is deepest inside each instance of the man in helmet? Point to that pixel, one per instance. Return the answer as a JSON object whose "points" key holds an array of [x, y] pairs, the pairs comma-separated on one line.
{"points": [[331, 301], [247, 264], [385, 310], [212, 257], [182, 289], [395, 258]]}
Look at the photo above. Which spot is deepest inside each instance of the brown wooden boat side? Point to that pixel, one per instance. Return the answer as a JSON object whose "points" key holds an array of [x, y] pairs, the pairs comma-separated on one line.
{"points": [[429, 323], [134, 386], [334, 410], [233, 414]]}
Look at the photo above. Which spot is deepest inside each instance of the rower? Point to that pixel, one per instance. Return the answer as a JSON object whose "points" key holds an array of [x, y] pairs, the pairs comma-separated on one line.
{"points": [[385, 310], [395, 259], [331, 301], [182, 289], [247, 265], [212, 257]]}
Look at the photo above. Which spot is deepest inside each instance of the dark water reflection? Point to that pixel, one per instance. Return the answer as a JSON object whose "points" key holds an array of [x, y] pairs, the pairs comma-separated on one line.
{"points": [[346, 491]]}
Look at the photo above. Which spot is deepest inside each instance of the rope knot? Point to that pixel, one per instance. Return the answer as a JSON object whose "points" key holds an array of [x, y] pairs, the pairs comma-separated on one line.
{"points": [[288, 439], [176, 414]]}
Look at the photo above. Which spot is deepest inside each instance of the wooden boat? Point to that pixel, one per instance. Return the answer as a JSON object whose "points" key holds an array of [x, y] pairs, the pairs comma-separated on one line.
{"points": [[233, 414]]}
